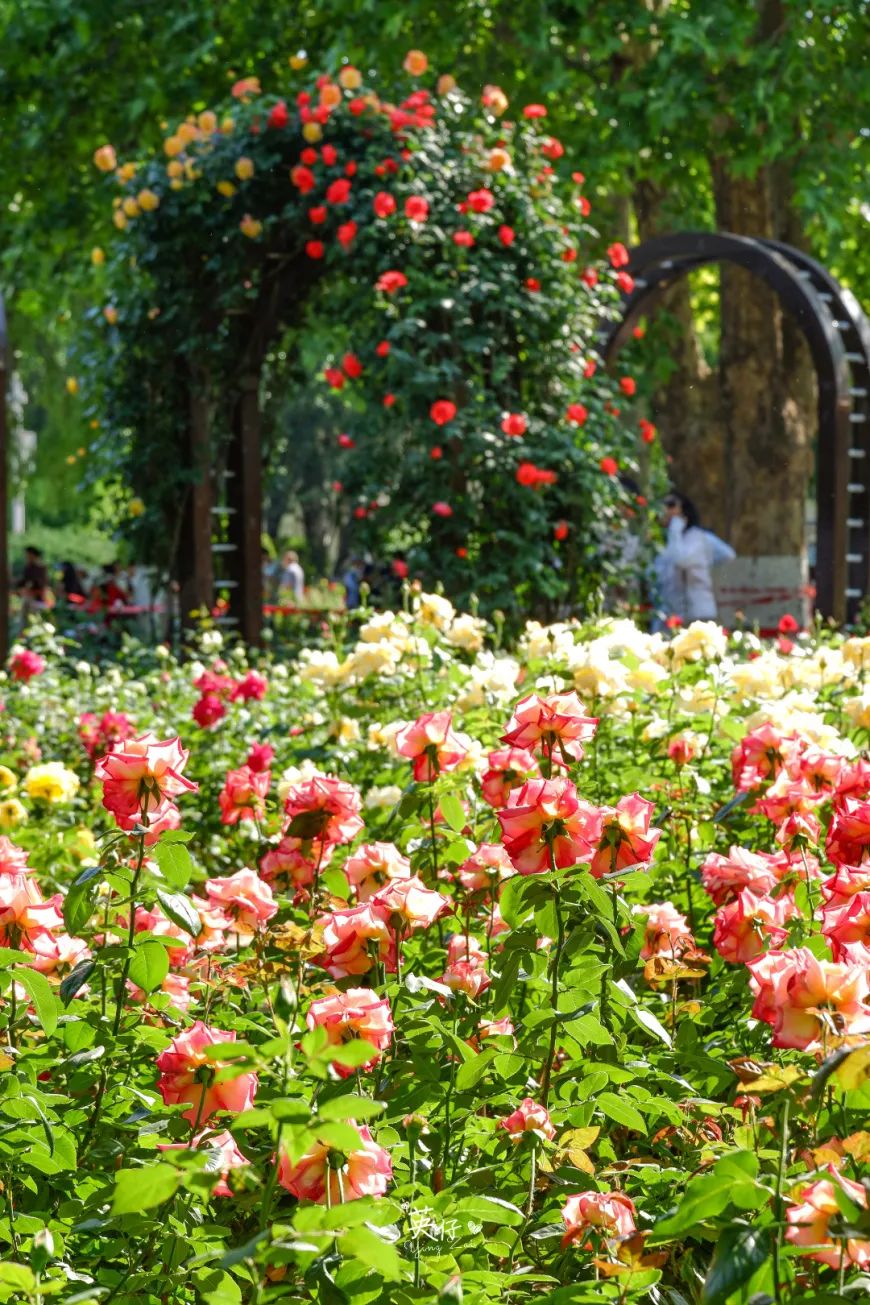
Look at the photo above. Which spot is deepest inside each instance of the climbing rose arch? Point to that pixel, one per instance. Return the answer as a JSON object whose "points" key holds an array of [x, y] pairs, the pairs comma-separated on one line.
{"points": [[443, 247]]}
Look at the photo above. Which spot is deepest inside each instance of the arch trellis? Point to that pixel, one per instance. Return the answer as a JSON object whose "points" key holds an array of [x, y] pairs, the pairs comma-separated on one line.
{"points": [[838, 334]]}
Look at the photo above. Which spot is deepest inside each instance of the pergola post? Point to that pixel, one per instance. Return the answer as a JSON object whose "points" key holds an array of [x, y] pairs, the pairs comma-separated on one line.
{"points": [[195, 571], [244, 498]]}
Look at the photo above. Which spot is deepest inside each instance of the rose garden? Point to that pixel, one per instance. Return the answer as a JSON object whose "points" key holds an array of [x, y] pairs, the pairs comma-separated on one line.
{"points": [[488, 941]]}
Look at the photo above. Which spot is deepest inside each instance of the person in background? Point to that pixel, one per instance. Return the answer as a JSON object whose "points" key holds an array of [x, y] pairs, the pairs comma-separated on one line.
{"points": [[71, 584], [351, 577], [291, 576], [108, 592], [33, 582], [685, 565]]}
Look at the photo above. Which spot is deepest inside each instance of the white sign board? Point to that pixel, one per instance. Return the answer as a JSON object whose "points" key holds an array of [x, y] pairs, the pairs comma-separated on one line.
{"points": [[757, 591]]}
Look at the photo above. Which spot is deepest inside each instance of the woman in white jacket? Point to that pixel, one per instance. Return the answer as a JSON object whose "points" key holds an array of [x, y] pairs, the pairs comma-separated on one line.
{"points": [[685, 565]]}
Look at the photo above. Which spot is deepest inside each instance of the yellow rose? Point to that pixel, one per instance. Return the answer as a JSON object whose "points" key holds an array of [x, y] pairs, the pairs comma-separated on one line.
{"points": [[312, 132], [187, 132], [250, 227], [137, 507], [228, 125], [498, 159], [111, 314], [226, 188], [445, 84], [105, 158], [82, 844], [7, 778], [244, 169], [119, 219], [126, 172], [175, 168], [50, 782], [98, 258], [350, 78], [415, 63], [147, 200], [130, 207], [81, 452], [298, 61], [173, 145], [176, 184], [207, 122], [72, 385], [12, 813]]}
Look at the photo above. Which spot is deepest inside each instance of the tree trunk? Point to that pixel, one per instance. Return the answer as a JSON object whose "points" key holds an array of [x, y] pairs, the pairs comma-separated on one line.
{"points": [[686, 405], [766, 437]]}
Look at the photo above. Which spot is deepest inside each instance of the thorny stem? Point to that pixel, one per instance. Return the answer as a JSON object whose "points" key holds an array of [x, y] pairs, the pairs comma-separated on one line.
{"points": [[780, 1180], [131, 935]]}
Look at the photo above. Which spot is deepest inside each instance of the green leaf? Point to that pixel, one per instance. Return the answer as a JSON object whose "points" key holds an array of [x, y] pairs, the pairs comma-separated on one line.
{"points": [[79, 904], [648, 1021], [17, 1277], [740, 1251], [350, 1107], [76, 979], [181, 911], [488, 1209], [173, 860], [470, 1074], [365, 1245], [41, 994], [142, 1189], [150, 964], [451, 810], [621, 1111], [9, 956]]}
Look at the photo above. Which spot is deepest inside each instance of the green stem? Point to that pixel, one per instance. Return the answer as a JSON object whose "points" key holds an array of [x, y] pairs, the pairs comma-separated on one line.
{"points": [[554, 997], [779, 1205], [131, 934]]}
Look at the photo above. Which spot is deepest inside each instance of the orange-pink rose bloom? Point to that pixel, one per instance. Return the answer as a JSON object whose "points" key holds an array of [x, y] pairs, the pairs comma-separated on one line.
{"points": [[547, 815], [356, 1013], [555, 726], [187, 1076], [140, 778], [364, 1172]]}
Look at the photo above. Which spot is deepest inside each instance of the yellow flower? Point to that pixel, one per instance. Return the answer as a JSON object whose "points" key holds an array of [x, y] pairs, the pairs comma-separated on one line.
{"points": [[72, 385], [207, 122], [330, 95], [119, 219], [497, 160], [298, 61], [250, 227], [130, 207], [228, 125], [313, 132], [70, 459], [12, 813], [81, 452], [174, 169], [7, 778], [137, 507], [50, 782], [82, 844], [445, 84], [147, 200], [111, 314], [126, 172], [176, 184], [98, 258], [415, 63], [350, 78], [173, 145], [244, 168], [226, 188], [105, 158]]}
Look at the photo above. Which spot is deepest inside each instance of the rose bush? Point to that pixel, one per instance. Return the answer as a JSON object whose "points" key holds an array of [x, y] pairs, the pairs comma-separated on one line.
{"points": [[430, 969]]}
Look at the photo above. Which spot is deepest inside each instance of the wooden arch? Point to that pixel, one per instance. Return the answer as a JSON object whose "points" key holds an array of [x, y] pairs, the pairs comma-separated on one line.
{"points": [[838, 335]]}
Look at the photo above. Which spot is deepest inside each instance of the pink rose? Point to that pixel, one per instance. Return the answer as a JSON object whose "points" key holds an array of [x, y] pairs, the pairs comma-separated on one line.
{"points": [[411, 901], [243, 795], [354, 938], [140, 778], [545, 815], [372, 866], [555, 726], [610, 1215], [245, 899], [356, 1013], [187, 1076], [809, 1219], [485, 868], [508, 768], [25, 664], [529, 1117], [432, 744], [363, 1172]]}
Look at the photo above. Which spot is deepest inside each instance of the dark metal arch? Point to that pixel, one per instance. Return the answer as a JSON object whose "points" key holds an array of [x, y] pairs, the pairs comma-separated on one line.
{"points": [[838, 335]]}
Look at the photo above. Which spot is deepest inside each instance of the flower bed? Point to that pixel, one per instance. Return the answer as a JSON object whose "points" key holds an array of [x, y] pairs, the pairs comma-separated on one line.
{"points": [[420, 969]]}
